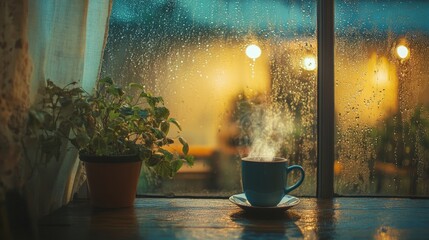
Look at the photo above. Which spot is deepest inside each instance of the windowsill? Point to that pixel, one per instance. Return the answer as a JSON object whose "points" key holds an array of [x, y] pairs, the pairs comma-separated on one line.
{"points": [[184, 218]]}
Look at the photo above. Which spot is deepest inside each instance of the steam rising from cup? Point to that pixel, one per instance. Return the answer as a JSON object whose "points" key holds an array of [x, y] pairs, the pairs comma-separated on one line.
{"points": [[268, 130]]}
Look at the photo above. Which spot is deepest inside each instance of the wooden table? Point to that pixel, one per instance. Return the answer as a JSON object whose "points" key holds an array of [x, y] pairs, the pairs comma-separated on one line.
{"points": [[181, 218]]}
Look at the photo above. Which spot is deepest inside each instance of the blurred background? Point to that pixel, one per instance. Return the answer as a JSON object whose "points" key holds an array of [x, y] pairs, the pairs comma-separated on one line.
{"points": [[240, 77]]}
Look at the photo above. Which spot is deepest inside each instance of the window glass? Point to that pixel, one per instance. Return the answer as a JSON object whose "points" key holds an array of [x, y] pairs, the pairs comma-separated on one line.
{"points": [[381, 97], [240, 77]]}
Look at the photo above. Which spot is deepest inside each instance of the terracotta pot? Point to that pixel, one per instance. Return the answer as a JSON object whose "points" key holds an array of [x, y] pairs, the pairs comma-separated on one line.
{"points": [[112, 180]]}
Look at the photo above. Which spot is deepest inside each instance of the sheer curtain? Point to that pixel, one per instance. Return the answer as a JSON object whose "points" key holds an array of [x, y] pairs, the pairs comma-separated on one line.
{"points": [[65, 42]]}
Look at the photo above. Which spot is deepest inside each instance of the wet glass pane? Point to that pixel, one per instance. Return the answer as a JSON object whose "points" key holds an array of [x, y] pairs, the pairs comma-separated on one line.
{"points": [[382, 104], [240, 77]]}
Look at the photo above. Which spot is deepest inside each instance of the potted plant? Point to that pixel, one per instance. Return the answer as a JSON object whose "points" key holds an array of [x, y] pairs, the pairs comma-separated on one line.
{"points": [[115, 130]]}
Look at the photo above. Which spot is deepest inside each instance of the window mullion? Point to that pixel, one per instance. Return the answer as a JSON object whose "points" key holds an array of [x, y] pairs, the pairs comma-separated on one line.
{"points": [[325, 93]]}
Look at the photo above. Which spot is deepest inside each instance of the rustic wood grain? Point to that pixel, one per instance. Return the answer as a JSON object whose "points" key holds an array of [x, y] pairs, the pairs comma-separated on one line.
{"points": [[180, 218]]}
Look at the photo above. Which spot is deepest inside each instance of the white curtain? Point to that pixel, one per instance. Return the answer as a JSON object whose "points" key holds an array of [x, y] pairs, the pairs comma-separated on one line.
{"points": [[65, 44]]}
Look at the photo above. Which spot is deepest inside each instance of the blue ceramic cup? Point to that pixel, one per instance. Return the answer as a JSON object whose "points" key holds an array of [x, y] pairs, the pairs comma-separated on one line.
{"points": [[265, 180]]}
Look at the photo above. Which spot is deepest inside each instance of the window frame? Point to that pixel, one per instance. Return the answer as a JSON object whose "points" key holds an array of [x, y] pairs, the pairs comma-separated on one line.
{"points": [[325, 99]]}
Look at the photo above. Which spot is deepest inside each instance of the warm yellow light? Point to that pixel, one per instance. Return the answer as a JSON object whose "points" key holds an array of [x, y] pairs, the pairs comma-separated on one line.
{"points": [[381, 75], [402, 51], [253, 51], [309, 63], [381, 70]]}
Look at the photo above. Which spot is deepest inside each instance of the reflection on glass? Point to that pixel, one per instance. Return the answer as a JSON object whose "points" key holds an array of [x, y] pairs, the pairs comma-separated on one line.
{"points": [[231, 72], [387, 233], [381, 100]]}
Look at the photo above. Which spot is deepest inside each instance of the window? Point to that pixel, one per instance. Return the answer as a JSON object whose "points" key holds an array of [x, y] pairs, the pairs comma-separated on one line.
{"points": [[382, 108], [241, 77]]}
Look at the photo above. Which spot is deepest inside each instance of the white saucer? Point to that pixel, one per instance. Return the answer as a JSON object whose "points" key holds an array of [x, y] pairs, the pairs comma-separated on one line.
{"points": [[287, 202]]}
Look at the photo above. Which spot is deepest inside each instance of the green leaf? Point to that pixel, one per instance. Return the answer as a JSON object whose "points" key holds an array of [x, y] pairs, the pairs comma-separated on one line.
{"points": [[143, 113], [164, 169], [165, 127], [158, 134], [106, 80], [162, 112], [145, 154], [169, 156], [155, 159], [144, 94], [185, 148], [159, 100], [148, 142], [175, 122], [176, 165], [189, 160], [135, 85], [115, 91], [153, 101], [150, 100], [126, 111], [113, 114]]}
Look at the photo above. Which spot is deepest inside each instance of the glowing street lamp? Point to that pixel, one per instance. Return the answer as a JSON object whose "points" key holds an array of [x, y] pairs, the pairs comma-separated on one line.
{"points": [[309, 63], [402, 51], [253, 51]]}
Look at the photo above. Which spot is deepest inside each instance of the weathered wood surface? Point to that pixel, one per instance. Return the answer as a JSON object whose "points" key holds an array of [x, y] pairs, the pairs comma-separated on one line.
{"points": [[179, 218]]}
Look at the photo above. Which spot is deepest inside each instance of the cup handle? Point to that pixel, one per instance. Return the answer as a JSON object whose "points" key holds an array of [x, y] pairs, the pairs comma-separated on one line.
{"points": [[289, 169]]}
